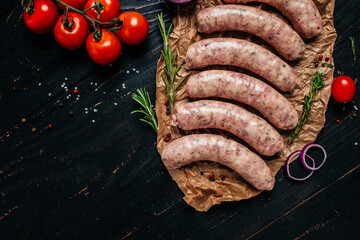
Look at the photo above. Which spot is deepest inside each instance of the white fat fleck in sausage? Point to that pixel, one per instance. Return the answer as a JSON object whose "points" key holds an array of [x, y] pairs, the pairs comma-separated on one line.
{"points": [[241, 53], [249, 90], [252, 20], [211, 147], [303, 14], [232, 118]]}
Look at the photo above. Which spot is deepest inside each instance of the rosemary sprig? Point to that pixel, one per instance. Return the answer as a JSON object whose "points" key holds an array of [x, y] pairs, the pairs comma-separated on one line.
{"points": [[352, 40], [142, 97], [170, 68], [317, 82]]}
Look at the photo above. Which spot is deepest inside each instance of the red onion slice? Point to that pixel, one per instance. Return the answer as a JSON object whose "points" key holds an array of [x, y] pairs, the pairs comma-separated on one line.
{"points": [[303, 156], [287, 163]]}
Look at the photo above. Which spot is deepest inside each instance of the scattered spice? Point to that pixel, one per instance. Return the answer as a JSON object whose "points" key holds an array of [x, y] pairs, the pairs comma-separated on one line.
{"points": [[352, 40], [49, 126], [33, 129], [61, 104], [76, 91], [323, 64], [168, 112], [222, 177], [166, 102], [167, 108], [23, 120], [321, 57], [337, 121], [71, 113], [168, 135], [167, 139], [327, 59], [316, 64], [317, 82], [201, 173]]}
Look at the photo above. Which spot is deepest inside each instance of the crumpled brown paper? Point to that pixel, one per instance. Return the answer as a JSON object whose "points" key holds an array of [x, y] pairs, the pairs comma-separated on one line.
{"points": [[200, 192]]}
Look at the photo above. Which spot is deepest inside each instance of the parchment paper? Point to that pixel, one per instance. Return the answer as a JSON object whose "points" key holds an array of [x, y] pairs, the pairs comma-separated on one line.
{"points": [[200, 192]]}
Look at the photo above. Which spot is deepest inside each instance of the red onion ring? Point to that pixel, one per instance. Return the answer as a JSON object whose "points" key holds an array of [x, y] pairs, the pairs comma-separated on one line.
{"points": [[287, 163], [303, 156], [182, 2]]}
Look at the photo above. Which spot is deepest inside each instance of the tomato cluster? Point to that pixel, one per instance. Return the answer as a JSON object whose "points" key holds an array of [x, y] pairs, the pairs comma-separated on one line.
{"points": [[72, 29]]}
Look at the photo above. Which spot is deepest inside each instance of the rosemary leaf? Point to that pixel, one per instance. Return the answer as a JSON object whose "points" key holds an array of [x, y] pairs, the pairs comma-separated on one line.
{"points": [[352, 40], [317, 82]]}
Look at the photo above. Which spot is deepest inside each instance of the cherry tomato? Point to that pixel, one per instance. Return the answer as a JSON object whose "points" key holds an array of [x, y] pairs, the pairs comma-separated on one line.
{"points": [[43, 17], [104, 51], [78, 4], [75, 36], [343, 89], [111, 10], [135, 28]]}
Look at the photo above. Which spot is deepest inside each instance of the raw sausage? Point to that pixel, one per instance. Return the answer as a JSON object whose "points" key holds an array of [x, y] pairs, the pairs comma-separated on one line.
{"points": [[241, 53], [211, 147], [243, 88], [303, 14], [252, 20], [232, 118]]}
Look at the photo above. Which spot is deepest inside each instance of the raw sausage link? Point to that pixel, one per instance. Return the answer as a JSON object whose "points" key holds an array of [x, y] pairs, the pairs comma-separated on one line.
{"points": [[211, 147], [243, 88], [232, 118], [241, 53], [260, 23], [303, 14]]}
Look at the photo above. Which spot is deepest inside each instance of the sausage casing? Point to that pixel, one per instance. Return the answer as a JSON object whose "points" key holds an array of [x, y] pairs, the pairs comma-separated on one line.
{"points": [[241, 53], [303, 14], [252, 20], [197, 147], [232, 118], [249, 90]]}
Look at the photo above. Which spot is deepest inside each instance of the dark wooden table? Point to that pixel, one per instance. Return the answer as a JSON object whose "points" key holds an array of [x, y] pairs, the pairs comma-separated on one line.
{"points": [[96, 174]]}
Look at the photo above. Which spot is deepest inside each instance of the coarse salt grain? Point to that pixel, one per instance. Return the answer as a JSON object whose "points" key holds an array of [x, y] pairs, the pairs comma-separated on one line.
{"points": [[127, 72], [39, 83], [49, 94], [93, 120], [356, 143], [115, 103]]}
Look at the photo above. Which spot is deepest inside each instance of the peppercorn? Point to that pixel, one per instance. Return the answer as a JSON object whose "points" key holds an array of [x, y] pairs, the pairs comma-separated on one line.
{"points": [[321, 57], [201, 173], [76, 91], [222, 177], [61, 104], [168, 112], [33, 129], [166, 102], [71, 113], [167, 139], [316, 64], [337, 121], [327, 58], [168, 135], [23, 120], [211, 177]]}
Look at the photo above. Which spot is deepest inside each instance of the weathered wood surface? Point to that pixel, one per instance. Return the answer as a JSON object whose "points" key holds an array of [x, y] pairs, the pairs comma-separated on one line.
{"points": [[97, 175]]}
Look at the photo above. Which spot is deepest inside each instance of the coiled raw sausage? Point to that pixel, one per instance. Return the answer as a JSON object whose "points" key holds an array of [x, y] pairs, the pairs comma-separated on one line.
{"points": [[211, 147], [232, 118], [241, 53], [303, 14], [252, 20], [243, 88]]}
